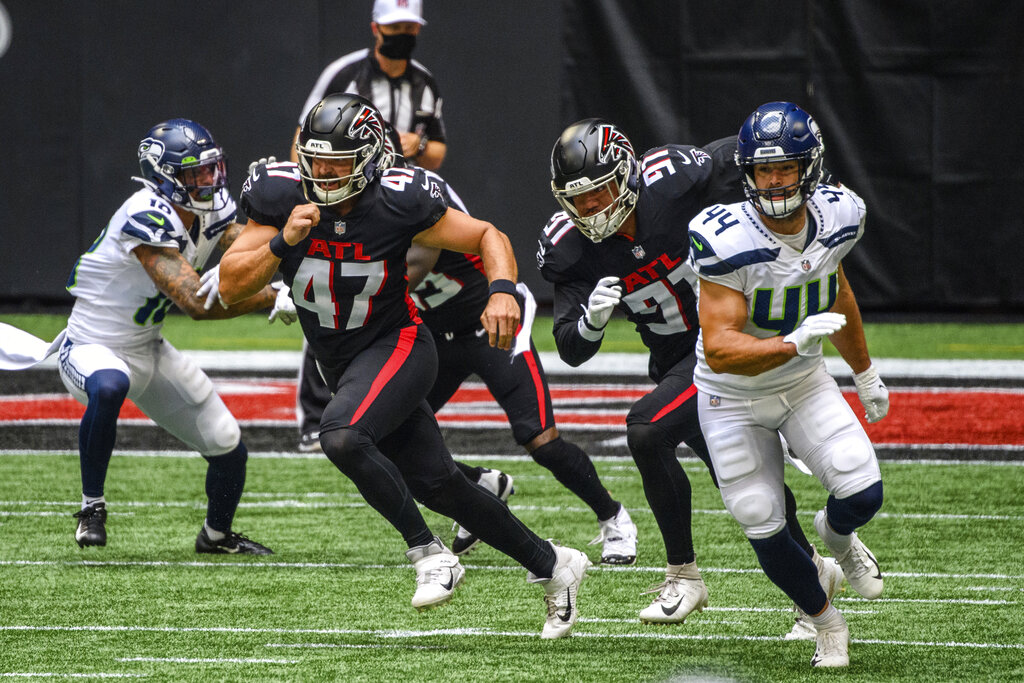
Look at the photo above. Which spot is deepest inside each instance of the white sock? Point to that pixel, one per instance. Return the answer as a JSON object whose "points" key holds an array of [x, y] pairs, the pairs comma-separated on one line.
{"points": [[91, 500], [838, 543], [829, 620], [212, 533]]}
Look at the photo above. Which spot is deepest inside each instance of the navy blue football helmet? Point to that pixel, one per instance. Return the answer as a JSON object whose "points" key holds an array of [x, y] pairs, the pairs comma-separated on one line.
{"points": [[341, 126], [184, 163], [780, 131], [588, 155]]}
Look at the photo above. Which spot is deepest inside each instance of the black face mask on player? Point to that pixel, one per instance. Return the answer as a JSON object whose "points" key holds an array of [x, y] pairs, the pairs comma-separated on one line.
{"points": [[397, 45]]}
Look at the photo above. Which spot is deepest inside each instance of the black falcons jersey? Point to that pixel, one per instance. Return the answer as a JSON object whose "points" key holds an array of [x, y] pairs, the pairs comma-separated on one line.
{"points": [[675, 182], [348, 277], [454, 293]]}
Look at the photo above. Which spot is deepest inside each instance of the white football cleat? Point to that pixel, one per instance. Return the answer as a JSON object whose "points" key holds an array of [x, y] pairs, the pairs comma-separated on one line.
{"points": [[438, 572], [682, 592], [833, 646], [859, 565], [619, 537], [560, 591], [830, 576]]}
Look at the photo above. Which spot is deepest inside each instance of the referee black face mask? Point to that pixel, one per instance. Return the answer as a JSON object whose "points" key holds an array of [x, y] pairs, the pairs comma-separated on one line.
{"points": [[397, 45]]}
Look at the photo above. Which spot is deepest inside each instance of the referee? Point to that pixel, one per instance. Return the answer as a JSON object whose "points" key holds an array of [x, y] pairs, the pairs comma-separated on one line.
{"points": [[406, 94], [402, 89]]}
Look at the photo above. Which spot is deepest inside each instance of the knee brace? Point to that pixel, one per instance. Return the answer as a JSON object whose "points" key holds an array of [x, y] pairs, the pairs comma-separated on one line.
{"points": [[756, 509], [846, 515]]}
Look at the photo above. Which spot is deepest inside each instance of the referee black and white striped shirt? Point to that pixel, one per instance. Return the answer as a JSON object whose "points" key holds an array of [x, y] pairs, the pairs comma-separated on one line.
{"points": [[410, 103]]}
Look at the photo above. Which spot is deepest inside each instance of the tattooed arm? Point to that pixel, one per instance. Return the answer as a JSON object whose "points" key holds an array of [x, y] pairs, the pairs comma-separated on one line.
{"points": [[229, 236], [176, 278]]}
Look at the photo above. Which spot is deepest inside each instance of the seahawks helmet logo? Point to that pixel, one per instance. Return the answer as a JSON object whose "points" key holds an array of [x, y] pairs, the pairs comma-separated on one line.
{"points": [[366, 124], [151, 150], [613, 144]]}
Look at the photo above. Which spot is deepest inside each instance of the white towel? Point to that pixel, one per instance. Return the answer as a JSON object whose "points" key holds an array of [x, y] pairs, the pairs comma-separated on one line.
{"points": [[20, 350], [529, 313]]}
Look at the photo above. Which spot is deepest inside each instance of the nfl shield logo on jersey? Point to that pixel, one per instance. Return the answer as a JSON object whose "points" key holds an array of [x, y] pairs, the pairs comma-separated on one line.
{"points": [[714, 401], [639, 252], [805, 265], [339, 227]]}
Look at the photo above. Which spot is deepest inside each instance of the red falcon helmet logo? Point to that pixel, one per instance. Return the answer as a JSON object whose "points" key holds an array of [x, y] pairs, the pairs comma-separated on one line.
{"points": [[613, 144], [366, 124]]}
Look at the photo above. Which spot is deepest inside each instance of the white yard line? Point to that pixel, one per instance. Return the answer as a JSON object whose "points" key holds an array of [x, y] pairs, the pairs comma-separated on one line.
{"points": [[654, 634], [207, 660], [404, 567], [476, 457], [290, 502]]}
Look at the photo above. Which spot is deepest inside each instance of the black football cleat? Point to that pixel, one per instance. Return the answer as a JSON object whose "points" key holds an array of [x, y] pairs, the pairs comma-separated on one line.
{"points": [[92, 525], [231, 544]]}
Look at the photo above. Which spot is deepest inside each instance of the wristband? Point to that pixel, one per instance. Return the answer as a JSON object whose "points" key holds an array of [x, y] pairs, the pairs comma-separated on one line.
{"points": [[501, 287], [278, 247], [422, 146]]}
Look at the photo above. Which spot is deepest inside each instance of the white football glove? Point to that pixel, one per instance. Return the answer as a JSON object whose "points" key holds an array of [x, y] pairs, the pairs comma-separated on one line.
{"points": [[812, 330], [284, 307], [603, 300], [873, 394], [261, 160], [209, 286]]}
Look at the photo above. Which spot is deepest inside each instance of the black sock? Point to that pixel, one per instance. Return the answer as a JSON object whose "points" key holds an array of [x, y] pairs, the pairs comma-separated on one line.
{"points": [[225, 479], [574, 470]]}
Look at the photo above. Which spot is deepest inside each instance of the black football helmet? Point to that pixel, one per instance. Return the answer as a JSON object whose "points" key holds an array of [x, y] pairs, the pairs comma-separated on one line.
{"points": [[340, 126], [588, 155], [181, 160], [780, 131]]}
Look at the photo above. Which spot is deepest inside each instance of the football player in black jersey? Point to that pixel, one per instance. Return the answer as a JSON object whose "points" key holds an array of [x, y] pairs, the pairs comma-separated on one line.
{"points": [[450, 289], [338, 229], [622, 241]]}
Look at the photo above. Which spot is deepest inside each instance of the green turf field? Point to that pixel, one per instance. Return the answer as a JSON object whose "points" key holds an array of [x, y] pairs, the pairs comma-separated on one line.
{"points": [[886, 340], [333, 602]]}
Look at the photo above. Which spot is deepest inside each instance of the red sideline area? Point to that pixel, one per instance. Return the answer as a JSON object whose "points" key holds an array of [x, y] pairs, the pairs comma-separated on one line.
{"points": [[922, 416]]}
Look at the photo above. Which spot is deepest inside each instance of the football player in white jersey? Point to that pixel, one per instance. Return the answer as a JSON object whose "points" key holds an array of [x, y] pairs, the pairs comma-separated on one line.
{"points": [[147, 258], [771, 289]]}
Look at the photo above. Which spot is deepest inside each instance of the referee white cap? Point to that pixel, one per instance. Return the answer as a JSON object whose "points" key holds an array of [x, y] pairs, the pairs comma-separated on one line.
{"points": [[393, 11]]}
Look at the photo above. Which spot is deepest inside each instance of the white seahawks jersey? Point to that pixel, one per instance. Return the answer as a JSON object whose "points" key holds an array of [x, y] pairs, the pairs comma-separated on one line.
{"points": [[117, 304], [730, 246]]}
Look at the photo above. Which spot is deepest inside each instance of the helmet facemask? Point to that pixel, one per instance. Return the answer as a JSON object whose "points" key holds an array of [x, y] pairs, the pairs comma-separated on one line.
{"points": [[795, 195], [606, 222], [200, 181], [350, 184]]}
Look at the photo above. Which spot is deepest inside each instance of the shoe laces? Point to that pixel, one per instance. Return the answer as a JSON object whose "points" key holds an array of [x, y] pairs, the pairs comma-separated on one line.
{"points": [[859, 559], [612, 532], [669, 589]]}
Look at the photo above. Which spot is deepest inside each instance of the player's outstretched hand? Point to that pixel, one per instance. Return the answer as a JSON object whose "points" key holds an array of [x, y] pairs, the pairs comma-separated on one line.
{"points": [[301, 220], [873, 394], [209, 286], [501, 320], [284, 307], [261, 160], [603, 300], [807, 337]]}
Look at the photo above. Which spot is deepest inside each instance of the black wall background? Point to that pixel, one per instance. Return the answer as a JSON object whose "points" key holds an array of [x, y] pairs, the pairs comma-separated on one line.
{"points": [[918, 102]]}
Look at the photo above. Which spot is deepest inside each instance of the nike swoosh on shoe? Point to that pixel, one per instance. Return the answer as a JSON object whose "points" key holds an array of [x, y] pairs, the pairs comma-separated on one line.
{"points": [[451, 581], [669, 612], [567, 615]]}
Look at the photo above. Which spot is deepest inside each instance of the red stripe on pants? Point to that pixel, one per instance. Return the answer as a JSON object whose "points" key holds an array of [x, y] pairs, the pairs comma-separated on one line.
{"points": [[402, 350], [531, 362], [679, 400]]}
